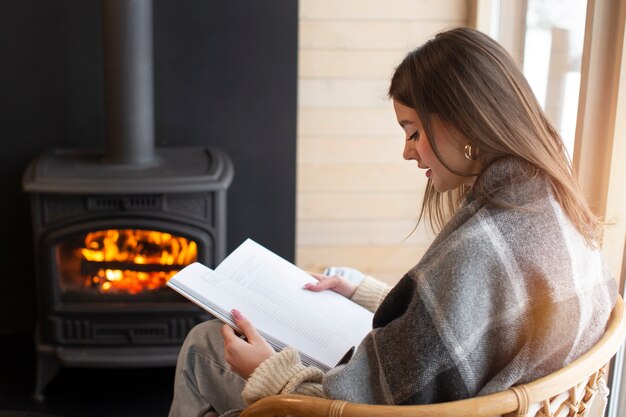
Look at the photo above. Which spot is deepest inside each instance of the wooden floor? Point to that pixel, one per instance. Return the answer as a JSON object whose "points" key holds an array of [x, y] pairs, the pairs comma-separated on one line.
{"points": [[81, 392]]}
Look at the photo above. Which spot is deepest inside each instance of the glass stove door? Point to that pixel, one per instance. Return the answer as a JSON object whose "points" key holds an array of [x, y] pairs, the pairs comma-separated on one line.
{"points": [[121, 263]]}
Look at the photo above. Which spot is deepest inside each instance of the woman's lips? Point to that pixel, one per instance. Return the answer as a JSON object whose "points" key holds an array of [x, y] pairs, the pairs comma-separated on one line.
{"points": [[428, 170]]}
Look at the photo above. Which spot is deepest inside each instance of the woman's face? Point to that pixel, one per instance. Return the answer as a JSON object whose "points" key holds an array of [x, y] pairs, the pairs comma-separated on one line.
{"points": [[450, 143]]}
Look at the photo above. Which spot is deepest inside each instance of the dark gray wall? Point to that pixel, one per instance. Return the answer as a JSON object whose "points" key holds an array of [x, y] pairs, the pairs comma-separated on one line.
{"points": [[225, 76]]}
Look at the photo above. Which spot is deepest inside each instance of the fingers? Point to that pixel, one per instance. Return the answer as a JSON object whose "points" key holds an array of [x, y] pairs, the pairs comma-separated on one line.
{"points": [[335, 283], [244, 356], [229, 335], [317, 276], [232, 345], [324, 283], [248, 330], [227, 332]]}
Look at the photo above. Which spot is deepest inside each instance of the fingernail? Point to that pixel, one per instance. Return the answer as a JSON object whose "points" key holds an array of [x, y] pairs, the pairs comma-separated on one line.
{"points": [[307, 285], [237, 314]]}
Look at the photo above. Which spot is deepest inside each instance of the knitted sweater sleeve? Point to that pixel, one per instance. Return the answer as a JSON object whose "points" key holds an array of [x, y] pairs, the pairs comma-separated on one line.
{"points": [[284, 373], [370, 293]]}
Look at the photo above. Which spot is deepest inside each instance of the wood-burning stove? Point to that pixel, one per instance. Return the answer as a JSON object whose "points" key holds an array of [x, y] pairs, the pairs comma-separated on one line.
{"points": [[107, 238], [110, 227]]}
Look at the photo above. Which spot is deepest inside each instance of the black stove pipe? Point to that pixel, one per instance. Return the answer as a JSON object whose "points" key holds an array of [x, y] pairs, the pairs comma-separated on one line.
{"points": [[128, 81]]}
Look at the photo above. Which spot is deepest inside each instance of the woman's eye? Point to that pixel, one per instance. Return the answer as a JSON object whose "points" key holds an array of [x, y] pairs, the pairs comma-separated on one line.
{"points": [[414, 136]]}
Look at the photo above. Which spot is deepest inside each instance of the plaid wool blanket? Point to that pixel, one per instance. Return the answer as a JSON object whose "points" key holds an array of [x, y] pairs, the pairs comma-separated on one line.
{"points": [[501, 297]]}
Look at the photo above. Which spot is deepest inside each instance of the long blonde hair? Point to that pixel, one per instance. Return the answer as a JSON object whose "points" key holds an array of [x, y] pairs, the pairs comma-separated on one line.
{"points": [[471, 82]]}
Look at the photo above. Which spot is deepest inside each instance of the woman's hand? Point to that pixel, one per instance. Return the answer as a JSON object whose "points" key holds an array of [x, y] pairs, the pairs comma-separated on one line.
{"points": [[244, 356], [335, 283]]}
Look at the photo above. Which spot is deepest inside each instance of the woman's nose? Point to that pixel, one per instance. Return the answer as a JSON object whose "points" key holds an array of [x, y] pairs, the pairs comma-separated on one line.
{"points": [[409, 152]]}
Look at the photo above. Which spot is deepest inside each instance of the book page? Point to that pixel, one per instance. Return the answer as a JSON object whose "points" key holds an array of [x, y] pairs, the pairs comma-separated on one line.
{"points": [[267, 289]]}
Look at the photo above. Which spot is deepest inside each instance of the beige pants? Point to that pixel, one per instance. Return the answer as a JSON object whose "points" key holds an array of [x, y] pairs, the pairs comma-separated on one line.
{"points": [[203, 380]]}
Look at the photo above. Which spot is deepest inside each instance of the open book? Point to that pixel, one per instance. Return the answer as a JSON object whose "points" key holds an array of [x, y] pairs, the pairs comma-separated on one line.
{"points": [[324, 327]]}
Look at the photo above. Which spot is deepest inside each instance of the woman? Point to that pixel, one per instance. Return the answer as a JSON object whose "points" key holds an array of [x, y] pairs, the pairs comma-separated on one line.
{"points": [[512, 288]]}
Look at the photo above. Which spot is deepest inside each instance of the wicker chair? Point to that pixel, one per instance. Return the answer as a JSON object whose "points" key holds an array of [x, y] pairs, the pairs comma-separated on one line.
{"points": [[567, 392]]}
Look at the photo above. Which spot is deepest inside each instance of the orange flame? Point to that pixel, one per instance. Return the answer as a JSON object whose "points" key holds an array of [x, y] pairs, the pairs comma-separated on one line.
{"points": [[133, 249]]}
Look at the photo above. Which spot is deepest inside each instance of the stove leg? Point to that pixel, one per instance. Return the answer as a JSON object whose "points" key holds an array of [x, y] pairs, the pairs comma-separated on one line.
{"points": [[48, 366]]}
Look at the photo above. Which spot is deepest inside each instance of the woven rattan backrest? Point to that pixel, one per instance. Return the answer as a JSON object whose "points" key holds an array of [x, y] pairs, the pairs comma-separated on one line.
{"points": [[573, 402]]}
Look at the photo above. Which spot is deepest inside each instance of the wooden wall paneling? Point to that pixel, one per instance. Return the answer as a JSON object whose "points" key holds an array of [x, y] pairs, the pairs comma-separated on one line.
{"points": [[390, 9], [348, 63], [369, 34], [364, 178], [387, 262], [361, 150], [343, 93], [357, 199], [363, 205], [348, 122]]}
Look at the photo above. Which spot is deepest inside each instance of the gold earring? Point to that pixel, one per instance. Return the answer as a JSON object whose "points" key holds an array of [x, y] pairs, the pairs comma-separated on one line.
{"points": [[471, 152]]}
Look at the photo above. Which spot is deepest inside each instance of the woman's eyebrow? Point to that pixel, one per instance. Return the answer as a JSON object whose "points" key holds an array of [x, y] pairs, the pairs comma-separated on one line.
{"points": [[404, 123]]}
